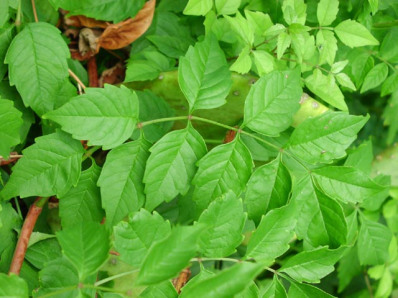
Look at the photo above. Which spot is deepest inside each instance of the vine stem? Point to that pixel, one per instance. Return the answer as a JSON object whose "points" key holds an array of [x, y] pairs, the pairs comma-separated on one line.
{"points": [[24, 236], [76, 78], [34, 11]]}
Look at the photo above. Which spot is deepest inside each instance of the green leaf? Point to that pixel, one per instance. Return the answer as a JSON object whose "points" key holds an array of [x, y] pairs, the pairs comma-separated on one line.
{"points": [[345, 81], [272, 101], [303, 43], [103, 116], [222, 235], [134, 238], [6, 36], [264, 61], [9, 223], [346, 184], [13, 286], [48, 167], [122, 190], [198, 7], [388, 48], [294, 11], [243, 63], [327, 46], [171, 46], [203, 75], [284, 41], [310, 266], [241, 27], [271, 238], [83, 202], [37, 59], [375, 77], [374, 6], [353, 34], [327, 11], [348, 268], [337, 67], [373, 242], [110, 10], [258, 21], [167, 257], [276, 289], [325, 137], [390, 85], [326, 88], [322, 221], [86, 245], [361, 157], [297, 290], [171, 165], [10, 124], [226, 167], [227, 283], [261, 197], [163, 290], [385, 286], [227, 6], [43, 252]]}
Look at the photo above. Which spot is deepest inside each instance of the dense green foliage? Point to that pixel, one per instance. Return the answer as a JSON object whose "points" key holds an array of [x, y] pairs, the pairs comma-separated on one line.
{"points": [[301, 200]]}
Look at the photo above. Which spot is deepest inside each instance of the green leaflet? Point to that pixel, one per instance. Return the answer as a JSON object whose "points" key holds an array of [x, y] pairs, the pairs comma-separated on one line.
{"points": [[134, 237], [275, 289], [345, 81], [244, 62], [226, 167], [43, 252], [223, 235], [388, 49], [272, 101], [294, 11], [13, 286], [163, 290], [122, 190], [227, 6], [302, 290], [171, 165], [10, 125], [321, 221], [198, 7], [373, 242], [353, 34], [361, 157], [37, 59], [348, 268], [225, 284], [271, 238], [82, 202], [6, 36], [242, 28], [390, 85], [326, 137], [9, 222], [48, 167], [167, 257], [263, 61], [312, 265], [110, 10], [327, 11], [284, 41], [203, 75], [327, 46], [261, 197], [375, 77], [86, 245], [346, 184], [103, 116]]}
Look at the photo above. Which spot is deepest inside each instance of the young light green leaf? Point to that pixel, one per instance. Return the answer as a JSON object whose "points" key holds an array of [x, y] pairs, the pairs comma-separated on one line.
{"points": [[242, 28], [122, 190], [312, 265], [284, 41], [222, 235], [134, 238], [272, 101], [171, 165], [373, 242], [13, 286], [375, 77], [261, 197], [258, 21], [345, 81], [346, 184], [327, 11], [294, 11], [243, 63], [322, 221], [167, 257], [10, 124], [301, 290], [198, 7], [390, 85], [327, 46], [162, 290], [48, 167], [103, 116], [227, 283], [110, 10], [271, 238], [275, 289], [226, 167], [326, 88], [264, 61], [83, 202], [337, 67], [303, 43], [325, 137], [227, 6], [353, 34], [203, 75], [37, 59], [86, 245]]}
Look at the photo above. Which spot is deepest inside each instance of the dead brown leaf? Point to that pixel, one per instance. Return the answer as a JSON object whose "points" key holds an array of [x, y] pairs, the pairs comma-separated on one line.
{"points": [[82, 21], [113, 75]]}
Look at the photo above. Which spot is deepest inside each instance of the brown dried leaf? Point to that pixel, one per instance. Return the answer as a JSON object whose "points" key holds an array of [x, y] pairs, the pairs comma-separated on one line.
{"points": [[88, 39], [122, 34], [82, 21], [113, 75]]}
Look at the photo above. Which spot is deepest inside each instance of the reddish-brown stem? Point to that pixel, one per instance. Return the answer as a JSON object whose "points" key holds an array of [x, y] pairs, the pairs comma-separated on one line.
{"points": [[12, 158], [24, 236], [182, 279], [92, 72]]}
